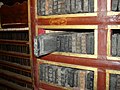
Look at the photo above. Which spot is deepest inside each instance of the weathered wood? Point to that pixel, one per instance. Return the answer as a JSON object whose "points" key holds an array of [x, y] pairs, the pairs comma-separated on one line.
{"points": [[14, 16]]}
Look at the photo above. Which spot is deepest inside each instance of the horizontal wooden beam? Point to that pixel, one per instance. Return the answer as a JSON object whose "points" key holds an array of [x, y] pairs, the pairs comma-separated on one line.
{"points": [[17, 76], [13, 85]]}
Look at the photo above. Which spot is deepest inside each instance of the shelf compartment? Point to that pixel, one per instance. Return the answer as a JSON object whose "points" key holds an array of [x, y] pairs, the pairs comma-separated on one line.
{"points": [[112, 79], [14, 48], [77, 29], [113, 42], [15, 65], [17, 76], [14, 86], [22, 35], [16, 70], [109, 8], [82, 13], [67, 66], [15, 60]]}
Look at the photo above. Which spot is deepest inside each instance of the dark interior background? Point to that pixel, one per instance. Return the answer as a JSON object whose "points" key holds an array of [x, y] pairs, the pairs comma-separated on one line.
{"points": [[11, 2]]}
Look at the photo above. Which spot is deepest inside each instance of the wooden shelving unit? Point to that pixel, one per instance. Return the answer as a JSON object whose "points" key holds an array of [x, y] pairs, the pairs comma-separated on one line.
{"points": [[15, 61], [102, 20], [15, 64]]}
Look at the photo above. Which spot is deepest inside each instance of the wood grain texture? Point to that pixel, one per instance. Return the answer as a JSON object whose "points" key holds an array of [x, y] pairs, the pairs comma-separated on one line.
{"points": [[101, 62], [15, 15]]}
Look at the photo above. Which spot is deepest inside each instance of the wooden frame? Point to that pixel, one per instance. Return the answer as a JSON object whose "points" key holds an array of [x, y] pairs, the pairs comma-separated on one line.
{"points": [[108, 72], [39, 61], [110, 13], [14, 86], [68, 15], [11, 18], [101, 21], [95, 27], [109, 57]]}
